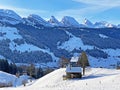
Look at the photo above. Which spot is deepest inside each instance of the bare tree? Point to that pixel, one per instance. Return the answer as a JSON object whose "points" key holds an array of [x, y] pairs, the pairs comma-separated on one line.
{"points": [[63, 62]]}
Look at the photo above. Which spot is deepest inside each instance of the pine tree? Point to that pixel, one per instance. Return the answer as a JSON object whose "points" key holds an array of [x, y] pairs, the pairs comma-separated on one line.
{"points": [[83, 61], [6, 65], [10, 68], [39, 72], [31, 70], [2, 65], [13, 68]]}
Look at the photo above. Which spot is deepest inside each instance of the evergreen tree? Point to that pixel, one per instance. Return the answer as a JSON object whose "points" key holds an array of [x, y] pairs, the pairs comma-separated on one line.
{"points": [[6, 65], [10, 68], [83, 61], [39, 72], [31, 70], [2, 65], [13, 68]]}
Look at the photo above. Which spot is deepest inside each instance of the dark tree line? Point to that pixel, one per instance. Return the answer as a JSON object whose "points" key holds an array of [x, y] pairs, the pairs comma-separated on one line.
{"points": [[12, 68], [9, 67], [4, 66]]}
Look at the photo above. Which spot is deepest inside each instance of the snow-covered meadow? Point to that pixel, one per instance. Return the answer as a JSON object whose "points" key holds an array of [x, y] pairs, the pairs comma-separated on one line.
{"points": [[12, 80], [95, 79]]}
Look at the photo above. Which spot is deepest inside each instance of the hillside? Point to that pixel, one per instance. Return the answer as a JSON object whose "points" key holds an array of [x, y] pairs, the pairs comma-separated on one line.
{"points": [[6, 78], [11, 80], [34, 40], [95, 79]]}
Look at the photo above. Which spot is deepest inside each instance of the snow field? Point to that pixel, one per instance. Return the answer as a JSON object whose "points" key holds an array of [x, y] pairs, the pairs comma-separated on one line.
{"points": [[74, 43], [95, 79]]}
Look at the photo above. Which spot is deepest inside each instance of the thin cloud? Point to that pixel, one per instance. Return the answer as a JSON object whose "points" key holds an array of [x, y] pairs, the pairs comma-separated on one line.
{"points": [[109, 3], [92, 8], [22, 11], [82, 13]]}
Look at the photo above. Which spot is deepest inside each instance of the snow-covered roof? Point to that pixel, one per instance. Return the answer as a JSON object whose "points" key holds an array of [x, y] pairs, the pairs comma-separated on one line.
{"points": [[74, 59]]}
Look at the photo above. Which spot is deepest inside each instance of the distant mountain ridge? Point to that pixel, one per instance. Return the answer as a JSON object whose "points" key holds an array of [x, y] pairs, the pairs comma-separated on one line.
{"points": [[13, 18]]}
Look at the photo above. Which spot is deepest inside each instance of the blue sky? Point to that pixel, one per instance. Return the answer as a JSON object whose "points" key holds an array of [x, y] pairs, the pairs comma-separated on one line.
{"points": [[94, 10]]}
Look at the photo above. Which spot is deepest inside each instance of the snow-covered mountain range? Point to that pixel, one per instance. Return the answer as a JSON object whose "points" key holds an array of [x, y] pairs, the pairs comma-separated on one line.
{"points": [[33, 39], [68, 21], [9, 16]]}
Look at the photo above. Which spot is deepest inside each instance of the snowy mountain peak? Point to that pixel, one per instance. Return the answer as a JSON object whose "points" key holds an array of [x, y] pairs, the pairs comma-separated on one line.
{"points": [[103, 24], [118, 25], [54, 21], [35, 19], [9, 16], [110, 25], [69, 21], [88, 23]]}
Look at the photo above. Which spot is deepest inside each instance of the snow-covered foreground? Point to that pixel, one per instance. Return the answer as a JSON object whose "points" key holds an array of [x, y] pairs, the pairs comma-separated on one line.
{"points": [[9, 79], [95, 79]]}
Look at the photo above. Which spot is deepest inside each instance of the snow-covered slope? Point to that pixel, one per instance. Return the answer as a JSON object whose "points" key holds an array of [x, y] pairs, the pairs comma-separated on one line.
{"points": [[103, 36], [7, 78], [102, 79], [9, 16], [2, 57], [68, 21], [53, 21], [19, 80], [35, 19], [74, 43], [9, 33], [13, 36]]}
